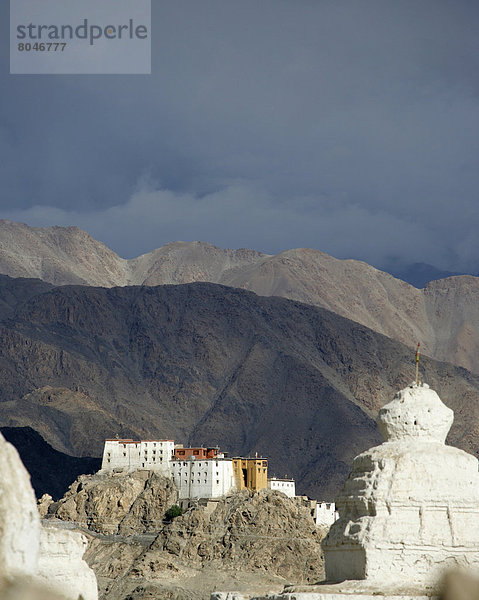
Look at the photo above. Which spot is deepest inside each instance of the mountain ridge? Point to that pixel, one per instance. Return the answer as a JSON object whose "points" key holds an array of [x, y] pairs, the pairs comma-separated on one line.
{"points": [[204, 363], [444, 316]]}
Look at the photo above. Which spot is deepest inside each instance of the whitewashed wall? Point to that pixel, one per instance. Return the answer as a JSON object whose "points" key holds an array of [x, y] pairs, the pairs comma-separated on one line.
{"points": [[154, 455], [204, 478], [325, 514], [287, 486]]}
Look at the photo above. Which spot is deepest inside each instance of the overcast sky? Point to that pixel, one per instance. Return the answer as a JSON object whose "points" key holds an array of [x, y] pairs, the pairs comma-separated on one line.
{"points": [[347, 126]]}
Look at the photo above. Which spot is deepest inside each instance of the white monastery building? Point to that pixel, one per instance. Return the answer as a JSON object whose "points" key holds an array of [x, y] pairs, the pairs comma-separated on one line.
{"points": [[287, 486], [203, 478], [129, 455], [325, 514]]}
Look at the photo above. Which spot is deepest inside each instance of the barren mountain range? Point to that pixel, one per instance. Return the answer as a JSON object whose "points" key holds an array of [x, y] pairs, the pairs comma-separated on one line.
{"points": [[298, 379], [204, 363], [444, 316]]}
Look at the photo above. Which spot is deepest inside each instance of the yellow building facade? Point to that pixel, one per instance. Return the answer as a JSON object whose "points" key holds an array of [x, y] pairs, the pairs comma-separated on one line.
{"points": [[250, 473]]}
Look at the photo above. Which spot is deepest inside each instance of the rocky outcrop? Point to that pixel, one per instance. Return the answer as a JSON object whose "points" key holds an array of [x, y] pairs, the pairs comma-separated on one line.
{"points": [[44, 504], [117, 503], [250, 541], [246, 541], [261, 531]]}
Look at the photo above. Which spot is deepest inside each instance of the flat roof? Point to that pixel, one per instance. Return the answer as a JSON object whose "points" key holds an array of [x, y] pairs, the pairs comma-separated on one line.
{"points": [[199, 448], [129, 441], [188, 459]]}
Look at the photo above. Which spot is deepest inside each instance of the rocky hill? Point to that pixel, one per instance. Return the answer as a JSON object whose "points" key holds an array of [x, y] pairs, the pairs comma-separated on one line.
{"points": [[245, 541], [203, 363], [117, 503], [444, 316]]}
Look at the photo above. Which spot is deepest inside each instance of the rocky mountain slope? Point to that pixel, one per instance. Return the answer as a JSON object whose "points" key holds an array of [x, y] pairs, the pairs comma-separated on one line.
{"points": [[68, 255], [203, 363], [444, 316], [244, 541]]}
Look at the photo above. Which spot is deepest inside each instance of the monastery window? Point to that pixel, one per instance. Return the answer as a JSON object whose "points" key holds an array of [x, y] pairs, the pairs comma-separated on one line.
{"points": [[154, 451], [124, 445], [217, 482], [161, 460], [154, 459], [108, 460], [154, 444], [124, 453], [264, 470], [143, 465], [184, 464]]}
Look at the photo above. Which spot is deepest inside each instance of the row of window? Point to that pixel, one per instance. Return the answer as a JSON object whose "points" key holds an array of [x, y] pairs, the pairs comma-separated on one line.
{"points": [[185, 464], [146, 444], [198, 481], [193, 473]]}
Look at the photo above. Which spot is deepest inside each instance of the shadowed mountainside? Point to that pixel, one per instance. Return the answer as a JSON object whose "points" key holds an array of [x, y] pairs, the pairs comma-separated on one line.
{"points": [[52, 472], [203, 363], [444, 316]]}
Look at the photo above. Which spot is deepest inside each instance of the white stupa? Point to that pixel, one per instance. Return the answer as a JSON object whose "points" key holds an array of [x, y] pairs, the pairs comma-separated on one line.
{"points": [[409, 510], [40, 558]]}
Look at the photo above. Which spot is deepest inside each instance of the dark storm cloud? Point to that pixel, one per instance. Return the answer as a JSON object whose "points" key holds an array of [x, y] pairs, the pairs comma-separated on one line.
{"points": [[346, 126]]}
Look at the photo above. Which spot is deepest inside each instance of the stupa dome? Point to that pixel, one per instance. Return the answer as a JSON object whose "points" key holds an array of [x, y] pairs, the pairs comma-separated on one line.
{"points": [[415, 412]]}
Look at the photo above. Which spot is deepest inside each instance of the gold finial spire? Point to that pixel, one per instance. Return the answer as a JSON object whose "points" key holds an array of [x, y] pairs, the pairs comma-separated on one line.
{"points": [[417, 363]]}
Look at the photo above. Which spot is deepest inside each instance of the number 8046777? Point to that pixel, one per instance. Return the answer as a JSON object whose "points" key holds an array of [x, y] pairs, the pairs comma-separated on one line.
{"points": [[42, 47]]}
